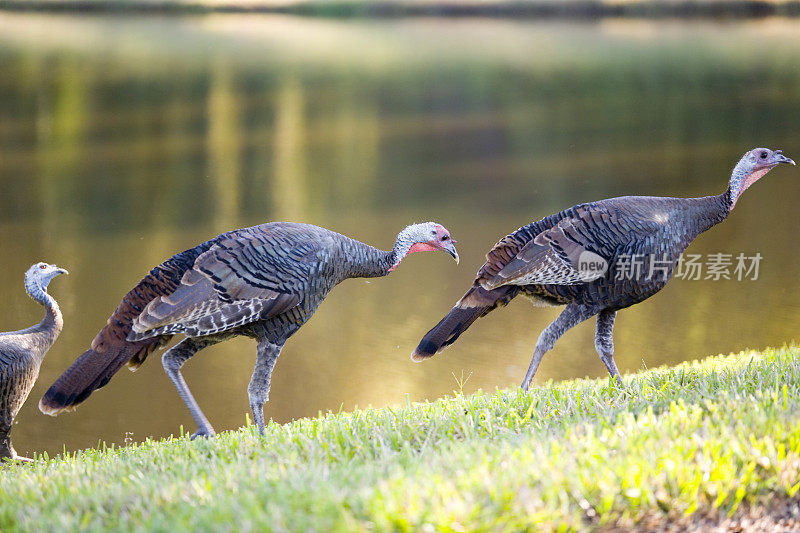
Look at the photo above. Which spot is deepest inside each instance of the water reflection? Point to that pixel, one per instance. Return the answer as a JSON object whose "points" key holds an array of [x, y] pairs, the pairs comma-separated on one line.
{"points": [[123, 141]]}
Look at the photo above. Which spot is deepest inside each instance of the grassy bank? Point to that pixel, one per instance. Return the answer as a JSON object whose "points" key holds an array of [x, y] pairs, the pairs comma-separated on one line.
{"points": [[711, 437], [577, 9]]}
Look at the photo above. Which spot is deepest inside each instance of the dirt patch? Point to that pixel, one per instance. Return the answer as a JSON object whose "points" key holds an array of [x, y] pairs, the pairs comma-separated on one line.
{"points": [[775, 516]]}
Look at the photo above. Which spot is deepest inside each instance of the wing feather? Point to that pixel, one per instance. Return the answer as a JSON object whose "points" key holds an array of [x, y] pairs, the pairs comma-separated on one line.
{"points": [[238, 280], [553, 256]]}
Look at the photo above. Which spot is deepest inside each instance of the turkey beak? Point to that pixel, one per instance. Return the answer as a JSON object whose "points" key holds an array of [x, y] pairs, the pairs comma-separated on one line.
{"points": [[778, 157], [451, 249]]}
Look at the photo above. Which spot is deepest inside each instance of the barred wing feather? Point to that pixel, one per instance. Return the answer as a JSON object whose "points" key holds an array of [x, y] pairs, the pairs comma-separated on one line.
{"points": [[555, 256], [237, 281]]}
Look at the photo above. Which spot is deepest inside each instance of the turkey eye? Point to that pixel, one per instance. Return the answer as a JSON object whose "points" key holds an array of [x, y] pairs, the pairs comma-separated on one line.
{"points": [[445, 237], [763, 155], [42, 266]]}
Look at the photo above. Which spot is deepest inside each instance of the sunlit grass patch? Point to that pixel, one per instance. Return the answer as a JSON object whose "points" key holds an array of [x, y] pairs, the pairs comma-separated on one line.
{"points": [[701, 436]]}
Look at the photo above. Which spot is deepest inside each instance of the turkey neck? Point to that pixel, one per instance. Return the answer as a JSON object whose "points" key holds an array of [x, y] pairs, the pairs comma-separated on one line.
{"points": [[48, 329], [365, 261], [708, 211]]}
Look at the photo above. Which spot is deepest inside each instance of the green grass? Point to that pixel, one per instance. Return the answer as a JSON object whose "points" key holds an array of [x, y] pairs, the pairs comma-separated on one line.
{"points": [[700, 436]]}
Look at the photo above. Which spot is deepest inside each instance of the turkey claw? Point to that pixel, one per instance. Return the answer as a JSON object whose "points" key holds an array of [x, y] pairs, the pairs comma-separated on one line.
{"points": [[204, 433]]}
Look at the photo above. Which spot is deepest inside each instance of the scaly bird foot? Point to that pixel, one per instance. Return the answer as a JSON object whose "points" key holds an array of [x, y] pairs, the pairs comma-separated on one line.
{"points": [[206, 433]]}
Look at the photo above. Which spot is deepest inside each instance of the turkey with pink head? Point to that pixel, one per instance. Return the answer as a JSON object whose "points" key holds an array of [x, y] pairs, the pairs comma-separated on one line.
{"points": [[582, 258], [262, 282]]}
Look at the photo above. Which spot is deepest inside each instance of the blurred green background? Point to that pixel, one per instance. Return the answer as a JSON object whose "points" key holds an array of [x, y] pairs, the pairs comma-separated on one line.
{"points": [[125, 140]]}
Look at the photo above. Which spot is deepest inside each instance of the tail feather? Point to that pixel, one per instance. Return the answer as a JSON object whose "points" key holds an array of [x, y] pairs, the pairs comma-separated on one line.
{"points": [[91, 371], [110, 349], [476, 303]]}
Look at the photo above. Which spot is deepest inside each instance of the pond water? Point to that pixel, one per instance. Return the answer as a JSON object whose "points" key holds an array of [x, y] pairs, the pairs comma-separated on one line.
{"points": [[125, 140]]}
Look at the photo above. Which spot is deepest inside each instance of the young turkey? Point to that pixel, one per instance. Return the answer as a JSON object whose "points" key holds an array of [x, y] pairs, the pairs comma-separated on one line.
{"points": [[22, 352]]}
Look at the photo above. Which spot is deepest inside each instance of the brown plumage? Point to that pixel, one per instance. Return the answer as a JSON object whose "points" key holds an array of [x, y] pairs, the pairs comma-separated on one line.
{"points": [[477, 302], [111, 350], [263, 282]]}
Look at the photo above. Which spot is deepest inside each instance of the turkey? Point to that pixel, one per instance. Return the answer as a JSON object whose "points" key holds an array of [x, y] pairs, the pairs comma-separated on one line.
{"points": [[22, 352], [582, 258], [262, 282]]}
